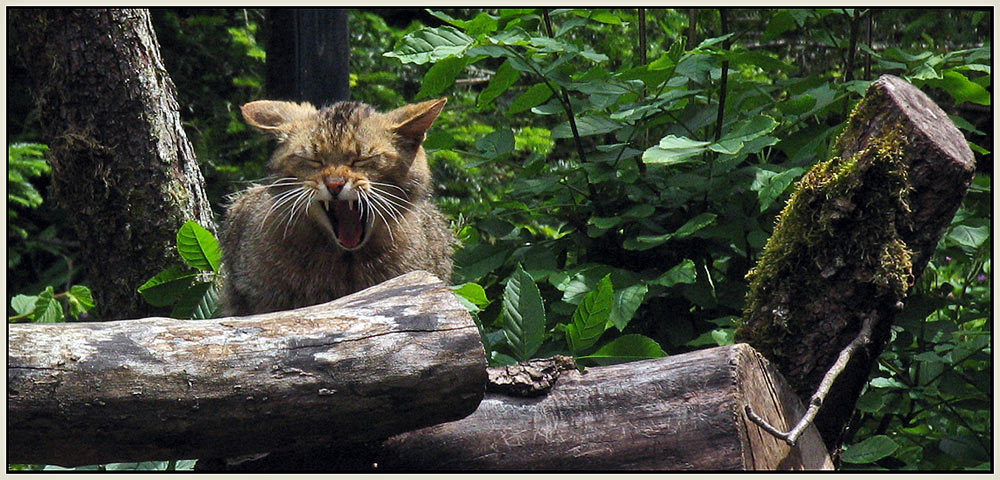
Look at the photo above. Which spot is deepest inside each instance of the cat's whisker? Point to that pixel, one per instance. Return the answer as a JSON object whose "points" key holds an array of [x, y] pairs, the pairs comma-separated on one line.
{"points": [[280, 200], [287, 200], [373, 207], [380, 184], [390, 199], [295, 211], [385, 193], [390, 208]]}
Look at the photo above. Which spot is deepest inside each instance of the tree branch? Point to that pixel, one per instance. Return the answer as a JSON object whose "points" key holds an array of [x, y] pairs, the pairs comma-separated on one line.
{"points": [[792, 436]]}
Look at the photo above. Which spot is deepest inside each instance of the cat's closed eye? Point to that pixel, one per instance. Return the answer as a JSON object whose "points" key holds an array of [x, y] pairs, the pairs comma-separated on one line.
{"points": [[364, 161]]}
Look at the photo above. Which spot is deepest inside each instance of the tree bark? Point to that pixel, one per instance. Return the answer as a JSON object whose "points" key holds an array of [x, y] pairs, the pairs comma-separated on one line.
{"points": [[398, 356], [121, 163], [684, 412], [855, 235]]}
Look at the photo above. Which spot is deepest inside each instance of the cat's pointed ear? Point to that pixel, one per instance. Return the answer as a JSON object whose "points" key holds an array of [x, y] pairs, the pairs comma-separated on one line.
{"points": [[412, 121], [275, 117]]}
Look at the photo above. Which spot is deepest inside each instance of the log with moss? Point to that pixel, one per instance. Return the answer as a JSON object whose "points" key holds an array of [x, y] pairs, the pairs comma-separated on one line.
{"points": [[398, 356], [851, 241]]}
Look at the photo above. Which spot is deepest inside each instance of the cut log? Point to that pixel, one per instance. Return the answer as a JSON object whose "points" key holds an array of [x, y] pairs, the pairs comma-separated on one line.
{"points": [[398, 356], [685, 412], [852, 240]]}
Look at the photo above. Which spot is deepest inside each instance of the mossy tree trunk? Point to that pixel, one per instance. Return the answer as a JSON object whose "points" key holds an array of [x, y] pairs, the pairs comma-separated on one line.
{"points": [[851, 241], [121, 163]]}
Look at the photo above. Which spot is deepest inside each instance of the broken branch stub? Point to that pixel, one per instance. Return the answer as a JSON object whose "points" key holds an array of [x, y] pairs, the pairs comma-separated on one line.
{"points": [[854, 236]]}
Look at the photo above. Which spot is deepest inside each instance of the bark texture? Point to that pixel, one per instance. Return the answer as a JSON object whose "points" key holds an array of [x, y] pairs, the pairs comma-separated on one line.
{"points": [[396, 357], [684, 412], [121, 163], [855, 235]]}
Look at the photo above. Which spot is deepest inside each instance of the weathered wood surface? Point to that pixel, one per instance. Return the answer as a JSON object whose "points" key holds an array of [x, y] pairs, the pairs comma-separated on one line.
{"points": [[854, 237], [398, 356], [684, 412]]}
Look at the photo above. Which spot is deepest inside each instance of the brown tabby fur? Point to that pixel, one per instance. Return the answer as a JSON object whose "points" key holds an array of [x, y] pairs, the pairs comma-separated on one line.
{"points": [[279, 256]]}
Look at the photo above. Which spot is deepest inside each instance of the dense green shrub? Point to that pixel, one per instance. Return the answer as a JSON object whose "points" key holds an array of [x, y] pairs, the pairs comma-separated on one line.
{"points": [[606, 208]]}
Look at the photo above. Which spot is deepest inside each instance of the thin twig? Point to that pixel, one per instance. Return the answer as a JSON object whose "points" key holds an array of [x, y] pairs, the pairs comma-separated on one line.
{"points": [[565, 99], [792, 436]]}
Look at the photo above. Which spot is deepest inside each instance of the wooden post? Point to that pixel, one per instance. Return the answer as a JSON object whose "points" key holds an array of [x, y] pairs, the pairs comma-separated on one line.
{"points": [[685, 412], [395, 357]]}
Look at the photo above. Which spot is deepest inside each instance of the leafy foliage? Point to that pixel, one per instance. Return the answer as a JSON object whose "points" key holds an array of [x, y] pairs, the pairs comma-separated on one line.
{"points": [[193, 288], [650, 191], [576, 173]]}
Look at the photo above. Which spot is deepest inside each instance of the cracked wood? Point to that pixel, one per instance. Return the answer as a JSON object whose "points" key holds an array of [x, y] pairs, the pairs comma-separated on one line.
{"points": [[399, 356]]}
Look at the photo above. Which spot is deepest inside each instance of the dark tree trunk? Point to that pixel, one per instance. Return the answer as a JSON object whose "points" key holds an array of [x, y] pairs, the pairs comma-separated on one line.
{"points": [[308, 55], [855, 235], [121, 163]]}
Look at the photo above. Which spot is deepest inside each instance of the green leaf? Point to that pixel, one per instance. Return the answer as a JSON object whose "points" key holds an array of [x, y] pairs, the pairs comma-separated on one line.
{"points": [[586, 126], [473, 294], [731, 143], [441, 76], [683, 272], [770, 185], [870, 450], [968, 237], [523, 314], [645, 242], [198, 247], [505, 77], [80, 300], [483, 23], [536, 95], [964, 447], [167, 286], [673, 150], [627, 301], [511, 36], [961, 88], [797, 105], [712, 41], [23, 304], [497, 144], [600, 15], [590, 319], [475, 261], [201, 301], [430, 45], [781, 22], [626, 348], [47, 308]]}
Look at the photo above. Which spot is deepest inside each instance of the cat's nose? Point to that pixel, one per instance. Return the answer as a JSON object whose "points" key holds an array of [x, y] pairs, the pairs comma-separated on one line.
{"points": [[334, 185]]}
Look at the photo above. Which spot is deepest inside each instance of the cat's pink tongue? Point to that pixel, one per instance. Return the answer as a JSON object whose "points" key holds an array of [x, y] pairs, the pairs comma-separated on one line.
{"points": [[349, 227]]}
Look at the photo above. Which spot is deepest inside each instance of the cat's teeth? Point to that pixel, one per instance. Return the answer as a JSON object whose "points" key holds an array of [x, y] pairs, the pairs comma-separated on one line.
{"points": [[326, 204], [351, 203]]}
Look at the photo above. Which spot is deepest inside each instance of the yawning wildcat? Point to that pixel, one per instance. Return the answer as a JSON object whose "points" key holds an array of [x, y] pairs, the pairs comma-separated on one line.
{"points": [[348, 205]]}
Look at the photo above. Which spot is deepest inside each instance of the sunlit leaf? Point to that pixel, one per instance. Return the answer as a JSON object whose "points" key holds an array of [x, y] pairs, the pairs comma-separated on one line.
{"points": [[198, 247]]}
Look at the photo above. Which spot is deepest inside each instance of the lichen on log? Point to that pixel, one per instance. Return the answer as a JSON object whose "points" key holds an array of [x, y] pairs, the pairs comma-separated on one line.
{"points": [[851, 241]]}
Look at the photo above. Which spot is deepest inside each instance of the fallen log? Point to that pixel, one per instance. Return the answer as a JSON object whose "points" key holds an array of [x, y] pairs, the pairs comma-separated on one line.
{"points": [[681, 412], [853, 238], [398, 356]]}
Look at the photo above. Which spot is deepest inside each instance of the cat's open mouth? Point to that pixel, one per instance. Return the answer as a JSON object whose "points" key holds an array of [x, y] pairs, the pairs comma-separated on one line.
{"points": [[351, 227]]}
